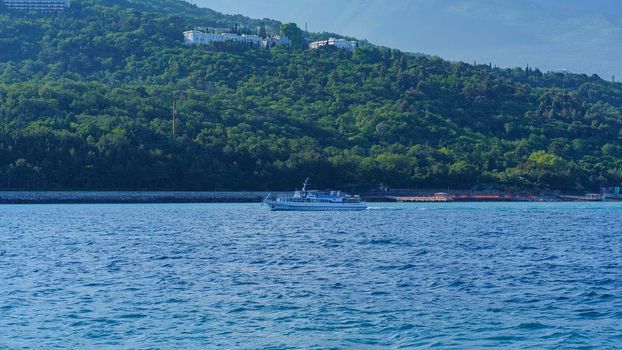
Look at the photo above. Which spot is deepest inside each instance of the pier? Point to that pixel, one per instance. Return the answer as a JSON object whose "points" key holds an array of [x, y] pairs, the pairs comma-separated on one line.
{"points": [[429, 196], [437, 197]]}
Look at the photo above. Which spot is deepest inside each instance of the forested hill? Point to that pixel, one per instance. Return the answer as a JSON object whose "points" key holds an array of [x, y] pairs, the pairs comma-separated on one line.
{"points": [[86, 96]]}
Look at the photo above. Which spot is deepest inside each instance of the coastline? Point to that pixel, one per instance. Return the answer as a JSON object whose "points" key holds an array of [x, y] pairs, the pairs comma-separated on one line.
{"points": [[127, 197], [154, 197]]}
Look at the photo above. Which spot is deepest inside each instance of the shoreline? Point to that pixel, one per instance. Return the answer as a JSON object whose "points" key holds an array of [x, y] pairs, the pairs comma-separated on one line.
{"points": [[128, 197], [181, 197]]}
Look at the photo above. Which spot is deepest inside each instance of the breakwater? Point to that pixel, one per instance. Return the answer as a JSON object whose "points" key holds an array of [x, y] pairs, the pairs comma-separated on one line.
{"points": [[73, 197], [115, 197]]}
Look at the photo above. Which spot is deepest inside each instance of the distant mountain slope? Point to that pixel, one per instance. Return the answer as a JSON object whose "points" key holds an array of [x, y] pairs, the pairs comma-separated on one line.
{"points": [[551, 34], [86, 98]]}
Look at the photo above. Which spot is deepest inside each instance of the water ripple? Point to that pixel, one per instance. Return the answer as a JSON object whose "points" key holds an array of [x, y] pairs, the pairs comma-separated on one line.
{"points": [[449, 276]]}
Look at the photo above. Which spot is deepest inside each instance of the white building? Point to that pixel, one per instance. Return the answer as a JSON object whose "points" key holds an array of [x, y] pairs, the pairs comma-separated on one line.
{"points": [[37, 5], [338, 43], [277, 40], [195, 37]]}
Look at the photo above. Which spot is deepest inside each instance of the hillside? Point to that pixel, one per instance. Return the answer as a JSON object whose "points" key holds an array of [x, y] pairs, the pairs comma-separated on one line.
{"points": [[86, 96]]}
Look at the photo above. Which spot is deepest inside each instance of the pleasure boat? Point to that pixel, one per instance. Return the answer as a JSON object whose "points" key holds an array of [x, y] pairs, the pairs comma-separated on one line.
{"points": [[305, 200]]}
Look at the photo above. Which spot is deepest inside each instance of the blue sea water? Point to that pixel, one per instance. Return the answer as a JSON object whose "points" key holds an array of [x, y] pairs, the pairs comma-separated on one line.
{"points": [[448, 276]]}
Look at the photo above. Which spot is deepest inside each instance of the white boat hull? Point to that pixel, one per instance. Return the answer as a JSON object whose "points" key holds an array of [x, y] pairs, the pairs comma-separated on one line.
{"points": [[302, 206]]}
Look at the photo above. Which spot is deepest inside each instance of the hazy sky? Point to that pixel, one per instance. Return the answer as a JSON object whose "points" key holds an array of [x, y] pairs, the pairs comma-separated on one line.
{"points": [[583, 36]]}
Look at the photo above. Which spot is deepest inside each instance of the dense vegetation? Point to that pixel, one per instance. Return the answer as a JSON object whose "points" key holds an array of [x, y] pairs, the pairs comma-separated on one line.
{"points": [[86, 96]]}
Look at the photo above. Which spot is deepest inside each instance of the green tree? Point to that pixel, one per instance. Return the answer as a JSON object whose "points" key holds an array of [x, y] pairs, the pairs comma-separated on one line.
{"points": [[295, 34], [262, 31], [86, 96]]}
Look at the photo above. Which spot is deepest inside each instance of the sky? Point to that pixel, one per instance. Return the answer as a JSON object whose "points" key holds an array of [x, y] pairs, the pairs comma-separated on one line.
{"points": [[581, 36]]}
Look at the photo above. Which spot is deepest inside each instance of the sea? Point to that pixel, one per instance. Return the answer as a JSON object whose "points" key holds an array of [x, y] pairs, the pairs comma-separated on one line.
{"points": [[237, 276]]}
